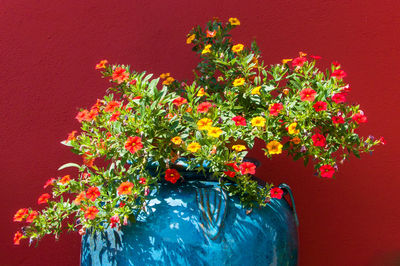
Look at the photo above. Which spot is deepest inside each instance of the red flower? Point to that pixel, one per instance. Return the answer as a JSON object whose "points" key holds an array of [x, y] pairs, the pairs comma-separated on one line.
{"points": [[307, 94], [44, 198], [110, 107], [65, 179], [125, 188], [359, 118], [320, 106], [231, 173], [115, 116], [32, 216], [239, 120], [20, 215], [92, 193], [299, 61], [83, 116], [335, 64], [49, 182], [179, 101], [319, 140], [327, 170], [339, 98], [203, 107], [339, 74], [172, 175], [71, 136], [276, 193], [114, 220], [133, 144], [337, 120], [275, 108], [17, 237], [102, 64], [247, 168], [91, 212], [120, 75], [315, 57], [142, 180], [382, 140]]}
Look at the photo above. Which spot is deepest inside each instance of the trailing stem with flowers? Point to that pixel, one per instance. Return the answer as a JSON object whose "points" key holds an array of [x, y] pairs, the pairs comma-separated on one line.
{"points": [[234, 99]]}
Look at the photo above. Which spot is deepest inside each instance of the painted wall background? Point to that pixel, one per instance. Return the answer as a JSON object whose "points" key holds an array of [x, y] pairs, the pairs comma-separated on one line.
{"points": [[48, 50]]}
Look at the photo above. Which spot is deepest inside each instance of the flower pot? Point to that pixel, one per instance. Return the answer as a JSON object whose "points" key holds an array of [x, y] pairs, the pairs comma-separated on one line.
{"points": [[197, 223]]}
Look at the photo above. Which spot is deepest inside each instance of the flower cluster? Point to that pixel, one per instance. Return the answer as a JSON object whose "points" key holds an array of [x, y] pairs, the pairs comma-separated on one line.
{"points": [[234, 99]]}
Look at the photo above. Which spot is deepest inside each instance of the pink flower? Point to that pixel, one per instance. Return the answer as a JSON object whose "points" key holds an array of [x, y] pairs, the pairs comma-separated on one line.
{"points": [[299, 61], [339, 74], [318, 140], [307, 94], [276, 193], [359, 118], [339, 97], [114, 221], [337, 120], [239, 120], [320, 106], [327, 170], [247, 168]]}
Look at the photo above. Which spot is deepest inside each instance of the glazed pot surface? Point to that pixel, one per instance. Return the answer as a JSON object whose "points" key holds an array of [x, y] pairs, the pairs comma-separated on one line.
{"points": [[196, 223]]}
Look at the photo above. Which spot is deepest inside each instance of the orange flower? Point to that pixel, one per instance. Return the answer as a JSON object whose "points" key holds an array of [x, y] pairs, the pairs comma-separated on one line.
{"points": [[44, 198], [102, 64], [211, 34], [87, 161], [71, 136], [285, 61], [111, 106], [190, 39], [91, 212], [164, 75], [234, 21], [133, 144], [17, 237], [125, 188], [168, 81], [65, 179], [179, 101], [20, 215], [79, 198], [296, 140], [120, 75], [92, 193], [31, 216], [83, 116]]}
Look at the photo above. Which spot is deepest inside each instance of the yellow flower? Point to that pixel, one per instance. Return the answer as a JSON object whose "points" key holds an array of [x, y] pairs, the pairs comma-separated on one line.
{"points": [[176, 140], [206, 49], [168, 81], [296, 140], [204, 124], [201, 92], [256, 90], [193, 147], [292, 129], [238, 147], [234, 21], [238, 82], [274, 147], [237, 48], [190, 39], [284, 61], [164, 75], [214, 132], [258, 121]]}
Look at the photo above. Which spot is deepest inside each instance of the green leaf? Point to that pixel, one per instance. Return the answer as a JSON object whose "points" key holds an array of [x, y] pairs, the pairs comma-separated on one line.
{"points": [[68, 165]]}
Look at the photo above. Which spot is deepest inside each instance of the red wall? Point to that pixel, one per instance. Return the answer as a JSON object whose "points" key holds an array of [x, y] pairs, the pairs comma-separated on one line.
{"points": [[48, 50]]}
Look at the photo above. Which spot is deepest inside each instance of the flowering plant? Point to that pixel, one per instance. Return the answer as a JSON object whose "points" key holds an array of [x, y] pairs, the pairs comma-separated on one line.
{"points": [[233, 100]]}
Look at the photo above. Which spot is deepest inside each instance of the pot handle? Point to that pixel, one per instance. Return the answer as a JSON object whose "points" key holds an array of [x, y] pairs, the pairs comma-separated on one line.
{"points": [[287, 190]]}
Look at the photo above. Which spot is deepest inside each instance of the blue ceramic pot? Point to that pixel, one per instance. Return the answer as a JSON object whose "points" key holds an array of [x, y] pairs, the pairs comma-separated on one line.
{"points": [[196, 223]]}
